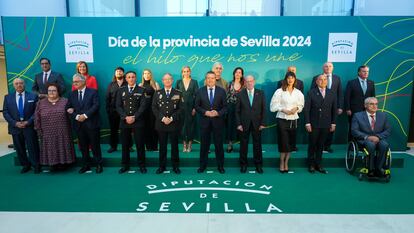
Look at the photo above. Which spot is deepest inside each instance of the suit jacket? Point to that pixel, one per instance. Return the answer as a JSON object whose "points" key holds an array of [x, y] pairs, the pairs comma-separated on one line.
{"points": [[202, 104], [89, 106], [354, 96], [299, 85], [246, 114], [11, 112], [336, 87], [361, 128], [40, 88], [163, 106], [131, 104], [320, 112]]}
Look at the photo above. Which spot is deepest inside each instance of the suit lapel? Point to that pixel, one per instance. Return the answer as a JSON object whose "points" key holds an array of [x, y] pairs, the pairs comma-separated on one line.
{"points": [[365, 116]]}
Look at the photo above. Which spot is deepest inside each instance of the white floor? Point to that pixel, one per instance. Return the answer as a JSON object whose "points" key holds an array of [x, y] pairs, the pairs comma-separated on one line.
{"points": [[23, 222]]}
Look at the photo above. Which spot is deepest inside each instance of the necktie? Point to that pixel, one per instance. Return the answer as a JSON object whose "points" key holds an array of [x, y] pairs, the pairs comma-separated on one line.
{"points": [[80, 96], [130, 90], [45, 78], [250, 98], [372, 122], [323, 93], [168, 94], [329, 81], [211, 97], [364, 86], [21, 112]]}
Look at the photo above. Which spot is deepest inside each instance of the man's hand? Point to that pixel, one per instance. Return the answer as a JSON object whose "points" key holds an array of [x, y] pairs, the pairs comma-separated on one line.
{"points": [[333, 127], [193, 112], [130, 119], [81, 118], [373, 139], [261, 127], [166, 120], [348, 112], [340, 111], [70, 110], [308, 128], [215, 113], [19, 124], [240, 128]]}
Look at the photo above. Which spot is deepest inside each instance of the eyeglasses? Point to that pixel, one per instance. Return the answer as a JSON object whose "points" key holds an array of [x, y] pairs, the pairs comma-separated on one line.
{"points": [[373, 104], [51, 90]]}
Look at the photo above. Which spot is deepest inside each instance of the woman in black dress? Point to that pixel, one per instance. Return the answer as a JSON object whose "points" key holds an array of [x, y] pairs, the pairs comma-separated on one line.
{"points": [[234, 87]]}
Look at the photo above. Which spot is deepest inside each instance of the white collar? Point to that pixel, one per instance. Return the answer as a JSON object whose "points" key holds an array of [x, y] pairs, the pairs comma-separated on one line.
{"points": [[83, 89]]}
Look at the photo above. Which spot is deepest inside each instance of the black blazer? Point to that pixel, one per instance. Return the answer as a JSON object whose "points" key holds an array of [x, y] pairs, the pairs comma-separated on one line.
{"points": [[136, 100], [336, 88], [246, 114], [40, 88], [11, 113], [110, 96], [320, 112], [354, 96], [89, 106], [163, 106], [202, 104], [299, 85]]}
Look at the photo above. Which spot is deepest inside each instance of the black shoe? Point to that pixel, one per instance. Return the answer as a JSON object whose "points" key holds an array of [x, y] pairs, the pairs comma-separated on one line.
{"points": [[84, 169], [229, 148], [311, 169], [243, 169], [221, 170], [259, 169], [177, 170], [328, 149], [111, 150], [294, 148], [37, 169], [123, 169], [371, 174], [99, 169], [160, 170], [131, 149], [25, 169], [53, 168], [143, 170], [321, 170], [201, 169]]}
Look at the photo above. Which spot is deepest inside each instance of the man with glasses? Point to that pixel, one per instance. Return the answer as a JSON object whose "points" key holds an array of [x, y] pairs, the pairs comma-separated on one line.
{"points": [[371, 129], [45, 77]]}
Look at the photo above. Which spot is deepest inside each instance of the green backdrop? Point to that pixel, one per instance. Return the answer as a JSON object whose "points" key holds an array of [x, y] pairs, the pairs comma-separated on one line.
{"points": [[383, 43]]}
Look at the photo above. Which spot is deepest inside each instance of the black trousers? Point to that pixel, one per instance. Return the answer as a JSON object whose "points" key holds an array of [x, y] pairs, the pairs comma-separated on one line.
{"points": [[114, 120], [316, 141], [163, 138], [206, 133], [27, 139], [257, 145], [90, 138], [127, 142], [376, 160]]}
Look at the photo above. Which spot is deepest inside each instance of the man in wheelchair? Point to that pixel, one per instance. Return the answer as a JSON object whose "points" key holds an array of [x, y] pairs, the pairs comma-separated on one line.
{"points": [[370, 128]]}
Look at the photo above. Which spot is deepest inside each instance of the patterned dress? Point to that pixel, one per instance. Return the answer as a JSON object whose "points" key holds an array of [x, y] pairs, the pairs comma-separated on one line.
{"points": [[52, 124], [231, 127]]}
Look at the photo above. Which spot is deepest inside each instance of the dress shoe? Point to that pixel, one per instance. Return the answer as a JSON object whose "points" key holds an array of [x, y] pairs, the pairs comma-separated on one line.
{"points": [[259, 169], [143, 170], [189, 147], [311, 169], [177, 170], [295, 148], [229, 148], [221, 170], [243, 169], [37, 169], [160, 170], [131, 149], [328, 149], [321, 170], [84, 169], [123, 169], [25, 169], [371, 174], [201, 169], [110, 150], [99, 169]]}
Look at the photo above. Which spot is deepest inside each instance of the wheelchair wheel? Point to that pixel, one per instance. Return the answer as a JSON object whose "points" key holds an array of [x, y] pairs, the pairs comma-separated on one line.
{"points": [[350, 158]]}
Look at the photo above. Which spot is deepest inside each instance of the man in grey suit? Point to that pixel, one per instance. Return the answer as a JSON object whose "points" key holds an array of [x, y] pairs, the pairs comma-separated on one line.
{"points": [[371, 129], [46, 76]]}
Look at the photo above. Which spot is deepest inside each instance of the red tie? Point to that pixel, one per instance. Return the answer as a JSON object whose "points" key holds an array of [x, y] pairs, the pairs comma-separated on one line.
{"points": [[372, 122], [45, 79]]}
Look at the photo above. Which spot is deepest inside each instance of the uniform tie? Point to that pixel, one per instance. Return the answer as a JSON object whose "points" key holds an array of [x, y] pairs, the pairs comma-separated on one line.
{"points": [[168, 93]]}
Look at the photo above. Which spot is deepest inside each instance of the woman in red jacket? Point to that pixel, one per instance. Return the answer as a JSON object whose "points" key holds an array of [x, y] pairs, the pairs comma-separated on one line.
{"points": [[82, 68]]}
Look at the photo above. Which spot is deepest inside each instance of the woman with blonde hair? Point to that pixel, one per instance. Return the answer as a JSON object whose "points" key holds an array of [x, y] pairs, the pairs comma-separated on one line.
{"points": [[82, 68]]}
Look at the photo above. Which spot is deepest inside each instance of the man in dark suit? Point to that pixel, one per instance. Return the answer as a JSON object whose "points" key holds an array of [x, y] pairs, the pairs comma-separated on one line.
{"points": [[299, 83], [46, 76], [83, 106], [335, 86], [167, 109], [130, 105], [371, 129], [320, 114], [250, 117], [18, 110], [357, 90], [211, 104]]}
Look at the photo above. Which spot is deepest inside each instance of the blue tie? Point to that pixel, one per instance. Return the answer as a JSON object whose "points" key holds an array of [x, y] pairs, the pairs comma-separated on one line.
{"points": [[21, 110], [168, 94], [364, 86], [250, 98], [211, 97]]}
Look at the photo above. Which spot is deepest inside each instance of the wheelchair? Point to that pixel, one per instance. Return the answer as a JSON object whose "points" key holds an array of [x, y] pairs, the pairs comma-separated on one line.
{"points": [[357, 156]]}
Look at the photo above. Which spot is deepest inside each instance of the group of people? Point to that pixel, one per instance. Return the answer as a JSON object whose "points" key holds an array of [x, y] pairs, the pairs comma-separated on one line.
{"points": [[148, 114]]}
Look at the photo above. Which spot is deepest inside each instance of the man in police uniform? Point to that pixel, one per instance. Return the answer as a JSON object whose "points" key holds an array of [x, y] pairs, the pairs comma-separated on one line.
{"points": [[167, 109], [130, 105]]}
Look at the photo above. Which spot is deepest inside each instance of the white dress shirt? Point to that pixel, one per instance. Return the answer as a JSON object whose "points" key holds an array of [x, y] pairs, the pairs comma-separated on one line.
{"points": [[286, 100], [17, 98]]}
